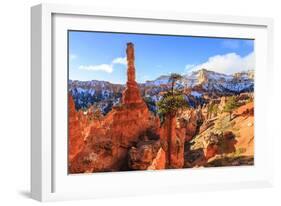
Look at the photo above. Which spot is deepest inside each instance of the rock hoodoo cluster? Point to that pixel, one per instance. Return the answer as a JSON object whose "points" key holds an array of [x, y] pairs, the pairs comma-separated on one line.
{"points": [[127, 131], [131, 137]]}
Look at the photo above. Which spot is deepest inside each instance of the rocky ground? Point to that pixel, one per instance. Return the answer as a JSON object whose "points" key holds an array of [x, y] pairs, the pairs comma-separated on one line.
{"points": [[224, 142]]}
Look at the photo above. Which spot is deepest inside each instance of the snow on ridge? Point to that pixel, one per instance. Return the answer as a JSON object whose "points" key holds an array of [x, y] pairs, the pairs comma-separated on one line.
{"points": [[158, 81], [210, 80], [196, 94]]}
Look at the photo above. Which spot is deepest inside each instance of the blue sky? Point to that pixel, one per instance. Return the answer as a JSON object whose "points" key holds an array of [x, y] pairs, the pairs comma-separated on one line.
{"points": [[101, 56]]}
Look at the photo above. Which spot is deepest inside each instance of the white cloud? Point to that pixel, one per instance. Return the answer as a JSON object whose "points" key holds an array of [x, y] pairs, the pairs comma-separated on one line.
{"points": [[120, 60], [101, 67], [228, 63], [72, 56], [104, 67]]}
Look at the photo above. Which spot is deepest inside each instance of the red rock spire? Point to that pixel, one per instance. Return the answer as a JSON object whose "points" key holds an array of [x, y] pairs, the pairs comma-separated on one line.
{"points": [[131, 76], [131, 94]]}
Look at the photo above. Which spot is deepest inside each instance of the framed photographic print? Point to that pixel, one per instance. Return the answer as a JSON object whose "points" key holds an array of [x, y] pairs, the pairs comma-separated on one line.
{"points": [[135, 102]]}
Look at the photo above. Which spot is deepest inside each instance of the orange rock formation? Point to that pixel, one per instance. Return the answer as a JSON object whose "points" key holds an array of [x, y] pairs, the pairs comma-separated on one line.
{"points": [[174, 136], [76, 141], [131, 93], [108, 143]]}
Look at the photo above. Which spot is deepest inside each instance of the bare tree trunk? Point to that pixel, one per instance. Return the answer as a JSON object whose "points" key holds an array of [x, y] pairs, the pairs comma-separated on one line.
{"points": [[173, 84]]}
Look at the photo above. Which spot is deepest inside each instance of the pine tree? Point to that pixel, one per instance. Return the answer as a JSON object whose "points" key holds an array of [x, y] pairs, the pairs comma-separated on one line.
{"points": [[174, 77], [170, 104], [173, 100], [230, 105]]}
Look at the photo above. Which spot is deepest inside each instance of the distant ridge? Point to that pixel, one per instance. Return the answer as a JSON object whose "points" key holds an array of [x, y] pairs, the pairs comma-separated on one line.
{"points": [[106, 94]]}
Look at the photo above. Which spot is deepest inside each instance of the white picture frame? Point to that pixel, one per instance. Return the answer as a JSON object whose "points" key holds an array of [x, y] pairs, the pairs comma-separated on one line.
{"points": [[49, 178]]}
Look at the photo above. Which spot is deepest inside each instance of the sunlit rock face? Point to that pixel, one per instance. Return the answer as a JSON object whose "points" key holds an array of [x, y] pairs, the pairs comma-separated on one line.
{"points": [[191, 119], [131, 94], [76, 141], [108, 143], [172, 134]]}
